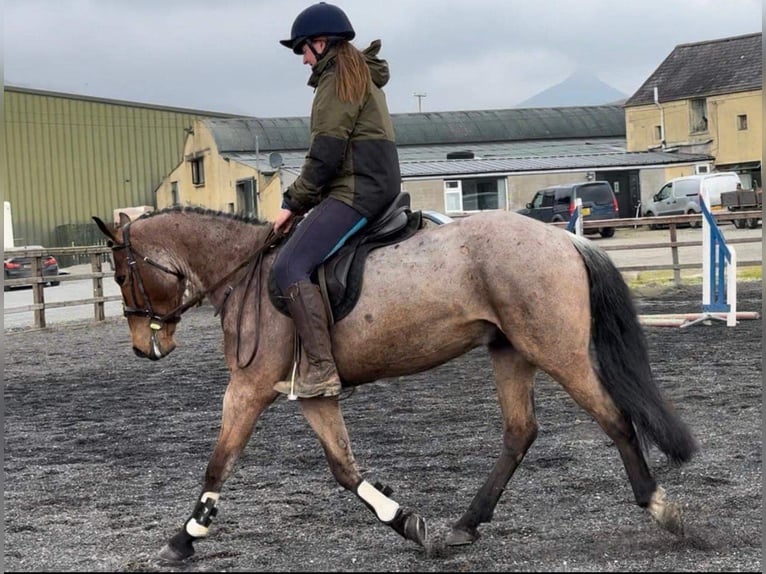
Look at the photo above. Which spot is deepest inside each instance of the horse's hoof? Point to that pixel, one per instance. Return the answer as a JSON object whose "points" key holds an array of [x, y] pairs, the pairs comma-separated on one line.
{"points": [[415, 529], [667, 514], [672, 519], [462, 537], [410, 526], [178, 548]]}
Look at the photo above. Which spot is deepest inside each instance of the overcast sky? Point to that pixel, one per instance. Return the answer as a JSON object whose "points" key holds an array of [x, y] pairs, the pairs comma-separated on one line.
{"points": [[224, 55]]}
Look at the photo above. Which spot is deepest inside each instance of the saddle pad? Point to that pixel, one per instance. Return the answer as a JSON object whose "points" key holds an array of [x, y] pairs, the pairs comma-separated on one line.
{"points": [[343, 301]]}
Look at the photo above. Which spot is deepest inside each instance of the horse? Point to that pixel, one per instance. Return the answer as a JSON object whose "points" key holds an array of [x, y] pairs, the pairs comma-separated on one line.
{"points": [[536, 296]]}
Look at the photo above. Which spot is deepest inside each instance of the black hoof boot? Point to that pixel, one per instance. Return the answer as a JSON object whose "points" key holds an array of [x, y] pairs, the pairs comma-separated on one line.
{"points": [[462, 536], [178, 548], [411, 527]]}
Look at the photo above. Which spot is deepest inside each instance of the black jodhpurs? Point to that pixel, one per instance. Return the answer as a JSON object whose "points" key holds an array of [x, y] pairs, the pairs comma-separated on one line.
{"points": [[320, 234]]}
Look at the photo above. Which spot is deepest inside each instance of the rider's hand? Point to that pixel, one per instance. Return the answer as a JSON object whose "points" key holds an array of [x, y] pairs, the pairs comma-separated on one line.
{"points": [[283, 221]]}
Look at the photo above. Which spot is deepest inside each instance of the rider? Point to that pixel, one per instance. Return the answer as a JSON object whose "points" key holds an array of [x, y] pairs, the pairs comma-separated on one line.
{"points": [[350, 175]]}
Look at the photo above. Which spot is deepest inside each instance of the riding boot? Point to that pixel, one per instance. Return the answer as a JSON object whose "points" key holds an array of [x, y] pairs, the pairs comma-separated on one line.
{"points": [[310, 316]]}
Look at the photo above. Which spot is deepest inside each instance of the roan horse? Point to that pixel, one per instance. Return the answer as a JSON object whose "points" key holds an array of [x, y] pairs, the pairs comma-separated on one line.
{"points": [[536, 296]]}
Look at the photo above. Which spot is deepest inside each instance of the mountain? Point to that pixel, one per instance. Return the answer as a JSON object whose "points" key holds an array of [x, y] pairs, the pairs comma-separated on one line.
{"points": [[579, 89]]}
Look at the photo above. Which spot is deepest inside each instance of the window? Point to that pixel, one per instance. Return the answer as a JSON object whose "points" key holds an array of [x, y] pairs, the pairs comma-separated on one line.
{"points": [[698, 113], [543, 199], [478, 194], [658, 133], [246, 197], [453, 196], [664, 193], [198, 170], [742, 122], [174, 200]]}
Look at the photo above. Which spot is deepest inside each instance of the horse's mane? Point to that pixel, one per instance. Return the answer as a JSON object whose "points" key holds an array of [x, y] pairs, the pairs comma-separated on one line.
{"points": [[203, 211]]}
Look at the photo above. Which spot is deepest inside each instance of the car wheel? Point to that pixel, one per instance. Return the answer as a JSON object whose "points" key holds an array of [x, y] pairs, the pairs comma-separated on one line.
{"points": [[55, 283], [739, 223], [651, 225], [606, 231], [752, 223], [694, 224]]}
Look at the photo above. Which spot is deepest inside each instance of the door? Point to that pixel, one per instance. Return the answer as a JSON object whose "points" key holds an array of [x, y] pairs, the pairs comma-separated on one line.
{"points": [[666, 202], [542, 206], [625, 185]]}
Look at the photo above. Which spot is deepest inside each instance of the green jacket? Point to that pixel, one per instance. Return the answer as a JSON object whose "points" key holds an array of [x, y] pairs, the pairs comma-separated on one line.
{"points": [[352, 155]]}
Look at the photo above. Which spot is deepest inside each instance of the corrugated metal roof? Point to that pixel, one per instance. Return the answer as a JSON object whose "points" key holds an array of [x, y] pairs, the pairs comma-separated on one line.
{"points": [[480, 126], [511, 157], [541, 163], [722, 66]]}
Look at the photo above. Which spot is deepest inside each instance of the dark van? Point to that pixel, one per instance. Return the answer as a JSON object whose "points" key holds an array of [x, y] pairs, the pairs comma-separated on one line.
{"points": [[557, 203]]}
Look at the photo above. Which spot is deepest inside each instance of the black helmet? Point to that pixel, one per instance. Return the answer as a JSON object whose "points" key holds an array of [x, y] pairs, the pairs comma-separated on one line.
{"points": [[318, 20]]}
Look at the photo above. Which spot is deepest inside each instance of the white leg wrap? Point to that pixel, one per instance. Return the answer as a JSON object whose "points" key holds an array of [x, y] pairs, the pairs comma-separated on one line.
{"points": [[194, 528], [384, 507]]}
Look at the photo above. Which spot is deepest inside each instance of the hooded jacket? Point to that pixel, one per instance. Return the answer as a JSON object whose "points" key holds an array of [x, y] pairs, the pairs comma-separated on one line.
{"points": [[352, 154]]}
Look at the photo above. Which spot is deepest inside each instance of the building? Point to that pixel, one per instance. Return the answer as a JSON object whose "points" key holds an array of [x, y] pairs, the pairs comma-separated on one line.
{"points": [[451, 162], [70, 157], [705, 97]]}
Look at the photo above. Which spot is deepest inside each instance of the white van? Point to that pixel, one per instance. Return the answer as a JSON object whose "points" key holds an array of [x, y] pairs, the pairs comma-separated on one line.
{"points": [[682, 194]]}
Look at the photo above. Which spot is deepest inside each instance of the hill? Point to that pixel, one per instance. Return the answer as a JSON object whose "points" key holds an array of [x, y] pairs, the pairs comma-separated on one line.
{"points": [[579, 89]]}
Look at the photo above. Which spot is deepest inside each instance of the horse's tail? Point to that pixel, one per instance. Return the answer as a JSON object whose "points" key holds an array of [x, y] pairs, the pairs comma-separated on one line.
{"points": [[623, 359]]}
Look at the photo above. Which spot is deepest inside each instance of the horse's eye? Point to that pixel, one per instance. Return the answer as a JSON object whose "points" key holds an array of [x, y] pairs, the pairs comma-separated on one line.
{"points": [[120, 279]]}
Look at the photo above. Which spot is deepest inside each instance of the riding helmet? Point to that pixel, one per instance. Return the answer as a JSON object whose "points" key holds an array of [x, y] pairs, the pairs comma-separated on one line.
{"points": [[320, 19]]}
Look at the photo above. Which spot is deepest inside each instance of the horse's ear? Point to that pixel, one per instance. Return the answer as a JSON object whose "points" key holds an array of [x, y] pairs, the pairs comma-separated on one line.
{"points": [[105, 230], [124, 219]]}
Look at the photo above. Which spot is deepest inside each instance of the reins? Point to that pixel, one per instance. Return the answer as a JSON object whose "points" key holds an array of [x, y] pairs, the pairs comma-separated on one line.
{"points": [[271, 240]]}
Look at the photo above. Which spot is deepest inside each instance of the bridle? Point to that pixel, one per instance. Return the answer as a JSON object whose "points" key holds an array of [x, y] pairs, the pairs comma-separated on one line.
{"points": [[156, 320]]}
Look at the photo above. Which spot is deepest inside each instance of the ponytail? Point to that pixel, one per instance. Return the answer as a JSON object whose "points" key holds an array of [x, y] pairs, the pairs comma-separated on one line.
{"points": [[353, 74]]}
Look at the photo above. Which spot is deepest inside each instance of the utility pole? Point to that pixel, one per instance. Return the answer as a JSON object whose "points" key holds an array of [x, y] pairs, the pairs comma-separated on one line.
{"points": [[420, 100]]}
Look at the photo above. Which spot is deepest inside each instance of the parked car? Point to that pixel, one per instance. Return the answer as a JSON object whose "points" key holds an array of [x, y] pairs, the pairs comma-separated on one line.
{"points": [[20, 266], [681, 195], [558, 202]]}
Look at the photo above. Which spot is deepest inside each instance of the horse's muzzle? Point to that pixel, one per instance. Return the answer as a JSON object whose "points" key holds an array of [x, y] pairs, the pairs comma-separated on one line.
{"points": [[152, 356]]}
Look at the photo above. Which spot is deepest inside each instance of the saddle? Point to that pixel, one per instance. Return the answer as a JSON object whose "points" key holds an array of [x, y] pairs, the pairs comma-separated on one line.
{"points": [[340, 277]]}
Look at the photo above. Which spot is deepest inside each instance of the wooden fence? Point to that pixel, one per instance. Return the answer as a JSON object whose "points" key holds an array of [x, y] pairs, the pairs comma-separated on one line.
{"points": [[100, 255], [97, 255]]}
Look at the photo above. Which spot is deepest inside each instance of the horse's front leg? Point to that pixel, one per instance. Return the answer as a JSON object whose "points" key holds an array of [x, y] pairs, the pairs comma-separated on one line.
{"points": [[243, 403], [325, 417]]}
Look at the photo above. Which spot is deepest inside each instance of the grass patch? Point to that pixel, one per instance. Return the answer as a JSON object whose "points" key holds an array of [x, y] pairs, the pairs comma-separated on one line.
{"points": [[658, 280]]}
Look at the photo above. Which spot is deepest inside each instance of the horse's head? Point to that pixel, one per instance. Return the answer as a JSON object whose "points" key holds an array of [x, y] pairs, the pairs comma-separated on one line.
{"points": [[151, 292]]}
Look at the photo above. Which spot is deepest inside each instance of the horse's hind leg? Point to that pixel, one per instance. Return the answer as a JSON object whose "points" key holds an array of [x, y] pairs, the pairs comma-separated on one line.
{"points": [[581, 382], [514, 377], [243, 403], [325, 417]]}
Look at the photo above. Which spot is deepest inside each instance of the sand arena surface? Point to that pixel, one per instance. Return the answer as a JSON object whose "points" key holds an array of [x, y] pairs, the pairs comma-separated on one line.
{"points": [[105, 455]]}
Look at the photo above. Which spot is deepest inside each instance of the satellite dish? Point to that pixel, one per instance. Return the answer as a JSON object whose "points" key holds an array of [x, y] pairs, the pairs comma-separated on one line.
{"points": [[275, 160]]}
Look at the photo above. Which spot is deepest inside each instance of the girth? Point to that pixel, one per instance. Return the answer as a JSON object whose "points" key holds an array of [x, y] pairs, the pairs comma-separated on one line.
{"points": [[340, 277]]}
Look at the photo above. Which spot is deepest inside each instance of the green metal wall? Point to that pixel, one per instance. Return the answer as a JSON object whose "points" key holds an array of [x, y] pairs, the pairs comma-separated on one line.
{"points": [[68, 158]]}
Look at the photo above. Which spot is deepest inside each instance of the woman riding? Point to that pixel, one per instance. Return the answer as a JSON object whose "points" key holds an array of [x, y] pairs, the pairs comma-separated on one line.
{"points": [[350, 175]]}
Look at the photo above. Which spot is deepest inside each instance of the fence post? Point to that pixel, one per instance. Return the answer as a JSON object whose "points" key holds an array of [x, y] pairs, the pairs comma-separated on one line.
{"points": [[674, 254], [38, 297], [98, 287]]}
